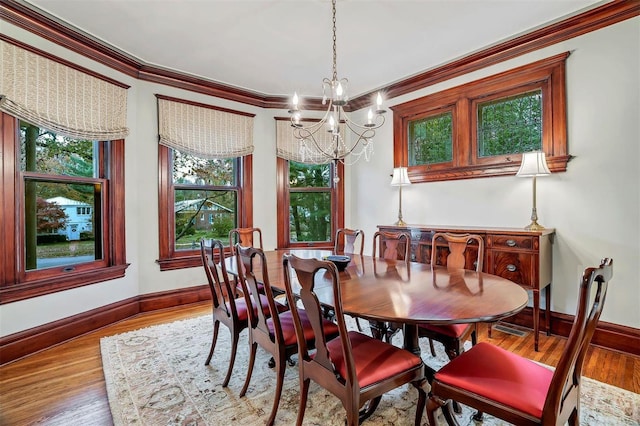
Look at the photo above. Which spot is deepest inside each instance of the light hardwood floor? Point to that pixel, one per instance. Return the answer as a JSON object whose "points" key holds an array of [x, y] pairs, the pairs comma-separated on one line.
{"points": [[68, 378]]}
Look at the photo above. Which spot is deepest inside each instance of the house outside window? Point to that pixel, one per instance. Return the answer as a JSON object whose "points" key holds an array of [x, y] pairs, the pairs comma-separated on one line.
{"points": [[51, 232]]}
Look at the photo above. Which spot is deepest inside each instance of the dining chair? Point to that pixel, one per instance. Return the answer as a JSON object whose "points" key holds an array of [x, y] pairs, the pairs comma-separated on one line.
{"points": [[356, 368], [458, 254], [275, 332], [249, 237], [347, 240], [246, 237], [227, 309], [393, 246], [515, 389]]}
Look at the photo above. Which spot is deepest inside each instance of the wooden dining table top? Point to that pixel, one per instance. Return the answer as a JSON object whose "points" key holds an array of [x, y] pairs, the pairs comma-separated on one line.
{"points": [[408, 292]]}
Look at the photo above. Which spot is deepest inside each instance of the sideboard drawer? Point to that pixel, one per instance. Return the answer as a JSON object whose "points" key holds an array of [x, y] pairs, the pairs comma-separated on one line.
{"points": [[517, 267], [511, 242]]}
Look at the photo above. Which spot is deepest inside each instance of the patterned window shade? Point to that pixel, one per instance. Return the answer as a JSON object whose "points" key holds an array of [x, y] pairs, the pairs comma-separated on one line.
{"points": [[59, 98], [203, 130], [289, 148]]}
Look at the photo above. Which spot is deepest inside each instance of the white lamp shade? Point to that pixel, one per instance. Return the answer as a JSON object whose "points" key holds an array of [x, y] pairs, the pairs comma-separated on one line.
{"points": [[400, 177], [533, 164]]}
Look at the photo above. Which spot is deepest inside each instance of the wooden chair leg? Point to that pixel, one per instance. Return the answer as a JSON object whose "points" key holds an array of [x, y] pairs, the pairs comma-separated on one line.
{"points": [[234, 348], [432, 348], [252, 359], [304, 392], [216, 327], [280, 367]]}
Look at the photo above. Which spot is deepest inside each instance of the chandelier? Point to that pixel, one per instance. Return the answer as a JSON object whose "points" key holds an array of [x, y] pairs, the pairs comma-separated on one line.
{"points": [[324, 141]]}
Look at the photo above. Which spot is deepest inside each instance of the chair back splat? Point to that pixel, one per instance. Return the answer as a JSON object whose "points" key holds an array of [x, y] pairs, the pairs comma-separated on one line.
{"points": [[392, 245], [246, 237], [349, 241], [342, 365], [510, 387]]}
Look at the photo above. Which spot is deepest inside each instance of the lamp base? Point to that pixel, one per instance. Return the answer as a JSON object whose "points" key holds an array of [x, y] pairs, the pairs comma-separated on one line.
{"points": [[400, 222], [534, 226]]}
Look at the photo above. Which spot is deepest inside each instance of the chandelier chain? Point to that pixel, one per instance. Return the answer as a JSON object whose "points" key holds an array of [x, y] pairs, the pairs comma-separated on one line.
{"points": [[335, 55], [335, 137]]}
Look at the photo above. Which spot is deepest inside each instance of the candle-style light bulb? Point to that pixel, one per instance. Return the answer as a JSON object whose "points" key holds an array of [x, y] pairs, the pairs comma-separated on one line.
{"points": [[295, 99], [370, 116], [339, 90], [332, 123]]}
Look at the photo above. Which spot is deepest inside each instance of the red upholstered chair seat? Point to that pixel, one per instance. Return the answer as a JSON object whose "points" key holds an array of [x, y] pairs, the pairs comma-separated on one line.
{"points": [[374, 359], [289, 330], [494, 373], [451, 330]]}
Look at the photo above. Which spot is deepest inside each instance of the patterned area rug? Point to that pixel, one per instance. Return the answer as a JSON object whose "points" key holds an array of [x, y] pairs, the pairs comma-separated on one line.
{"points": [[156, 376]]}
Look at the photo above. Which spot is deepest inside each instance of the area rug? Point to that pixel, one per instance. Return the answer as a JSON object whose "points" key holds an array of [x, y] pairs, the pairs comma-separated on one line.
{"points": [[156, 376]]}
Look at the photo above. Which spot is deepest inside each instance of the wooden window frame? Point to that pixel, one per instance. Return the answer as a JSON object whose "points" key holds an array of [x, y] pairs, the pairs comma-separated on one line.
{"points": [[170, 258], [548, 75], [283, 203], [16, 283]]}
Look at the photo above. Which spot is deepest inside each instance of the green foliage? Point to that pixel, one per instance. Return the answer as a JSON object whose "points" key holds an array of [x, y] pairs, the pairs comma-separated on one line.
{"points": [[45, 152], [189, 169], [310, 208], [510, 125], [430, 140]]}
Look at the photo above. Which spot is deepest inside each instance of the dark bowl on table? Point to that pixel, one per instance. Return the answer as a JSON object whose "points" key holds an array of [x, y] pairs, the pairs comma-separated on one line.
{"points": [[340, 261]]}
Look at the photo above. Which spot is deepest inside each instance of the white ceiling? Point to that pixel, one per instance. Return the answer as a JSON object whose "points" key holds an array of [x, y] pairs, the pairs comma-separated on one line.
{"points": [[276, 47]]}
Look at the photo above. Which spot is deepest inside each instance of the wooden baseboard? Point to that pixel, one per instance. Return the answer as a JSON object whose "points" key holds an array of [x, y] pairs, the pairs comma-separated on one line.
{"points": [[27, 342], [18, 345], [607, 335]]}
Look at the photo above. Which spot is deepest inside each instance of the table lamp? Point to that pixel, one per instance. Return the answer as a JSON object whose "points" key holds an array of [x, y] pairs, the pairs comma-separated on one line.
{"points": [[400, 179], [534, 164]]}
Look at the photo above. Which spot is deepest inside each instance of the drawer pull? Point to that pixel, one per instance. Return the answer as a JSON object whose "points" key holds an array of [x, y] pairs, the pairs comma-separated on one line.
{"points": [[511, 243], [511, 267]]}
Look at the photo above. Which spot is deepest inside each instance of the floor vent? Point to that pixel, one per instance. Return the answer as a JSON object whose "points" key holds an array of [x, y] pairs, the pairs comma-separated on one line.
{"points": [[510, 330]]}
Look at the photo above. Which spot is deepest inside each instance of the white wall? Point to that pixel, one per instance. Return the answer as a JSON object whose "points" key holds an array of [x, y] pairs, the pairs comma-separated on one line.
{"points": [[603, 100], [594, 205]]}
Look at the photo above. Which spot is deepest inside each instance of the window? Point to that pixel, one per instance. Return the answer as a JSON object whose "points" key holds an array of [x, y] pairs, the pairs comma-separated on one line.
{"points": [[482, 128], [58, 227], [200, 198], [310, 204]]}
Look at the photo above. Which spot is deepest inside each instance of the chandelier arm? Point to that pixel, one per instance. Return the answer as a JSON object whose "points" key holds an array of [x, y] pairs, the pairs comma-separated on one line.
{"points": [[379, 122], [329, 155]]}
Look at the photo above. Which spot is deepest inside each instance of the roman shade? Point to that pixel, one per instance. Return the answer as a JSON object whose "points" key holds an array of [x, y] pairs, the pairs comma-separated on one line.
{"points": [[203, 130], [59, 98], [289, 148]]}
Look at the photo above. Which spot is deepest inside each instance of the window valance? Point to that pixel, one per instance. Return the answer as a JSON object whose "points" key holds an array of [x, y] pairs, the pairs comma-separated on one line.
{"points": [[203, 130], [290, 148], [59, 98]]}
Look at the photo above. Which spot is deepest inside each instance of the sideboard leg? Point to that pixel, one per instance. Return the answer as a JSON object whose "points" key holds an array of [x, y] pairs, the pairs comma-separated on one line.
{"points": [[536, 317], [547, 311]]}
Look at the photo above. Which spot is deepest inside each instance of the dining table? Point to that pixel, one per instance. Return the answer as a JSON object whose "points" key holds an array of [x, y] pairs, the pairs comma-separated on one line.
{"points": [[404, 292]]}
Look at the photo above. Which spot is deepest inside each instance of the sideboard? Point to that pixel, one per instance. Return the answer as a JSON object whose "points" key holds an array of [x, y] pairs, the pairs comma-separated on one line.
{"points": [[521, 256]]}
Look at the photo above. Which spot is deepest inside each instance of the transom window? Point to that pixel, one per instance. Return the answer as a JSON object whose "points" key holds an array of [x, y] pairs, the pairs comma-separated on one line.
{"points": [[482, 128]]}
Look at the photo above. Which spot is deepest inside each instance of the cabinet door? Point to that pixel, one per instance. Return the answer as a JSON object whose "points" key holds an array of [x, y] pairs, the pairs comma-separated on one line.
{"points": [[515, 266]]}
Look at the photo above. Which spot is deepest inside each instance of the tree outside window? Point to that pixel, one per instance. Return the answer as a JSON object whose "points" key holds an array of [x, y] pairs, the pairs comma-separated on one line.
{"points": [[313, 201]]}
